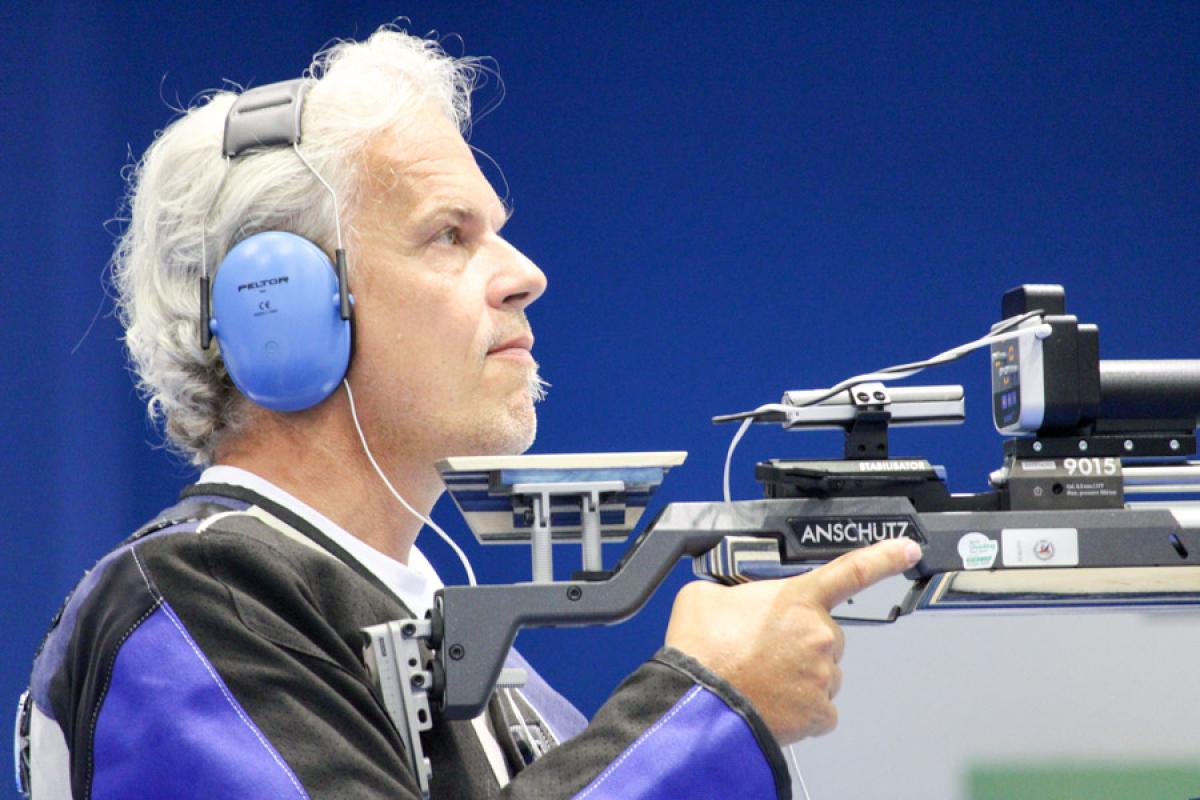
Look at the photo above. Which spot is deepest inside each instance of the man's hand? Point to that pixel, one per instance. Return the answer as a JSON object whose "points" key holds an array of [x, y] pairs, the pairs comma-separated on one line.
{"points": [[775, 641]]}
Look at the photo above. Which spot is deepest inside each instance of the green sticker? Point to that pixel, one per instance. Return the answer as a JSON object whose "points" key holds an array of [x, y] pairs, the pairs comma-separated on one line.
{"points": [[977, 551]]}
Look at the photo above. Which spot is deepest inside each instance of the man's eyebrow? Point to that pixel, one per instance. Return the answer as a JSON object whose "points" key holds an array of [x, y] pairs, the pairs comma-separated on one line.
{"points": [[457, 212], [461, 213]]}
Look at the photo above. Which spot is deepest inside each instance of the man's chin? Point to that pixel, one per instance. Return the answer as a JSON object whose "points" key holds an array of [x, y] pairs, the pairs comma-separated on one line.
{"points": [[522, 434], [502, 435]]}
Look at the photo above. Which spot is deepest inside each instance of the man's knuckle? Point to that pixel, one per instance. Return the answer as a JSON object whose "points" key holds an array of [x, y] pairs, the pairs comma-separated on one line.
{"points": [[825, 639]]}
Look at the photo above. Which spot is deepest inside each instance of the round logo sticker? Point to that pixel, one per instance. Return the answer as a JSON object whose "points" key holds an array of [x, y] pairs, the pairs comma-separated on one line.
{"points": [[977, 551]]}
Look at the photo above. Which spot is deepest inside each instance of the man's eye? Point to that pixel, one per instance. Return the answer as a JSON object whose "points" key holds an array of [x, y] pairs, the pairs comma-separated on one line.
{"points": [[450, 236]]}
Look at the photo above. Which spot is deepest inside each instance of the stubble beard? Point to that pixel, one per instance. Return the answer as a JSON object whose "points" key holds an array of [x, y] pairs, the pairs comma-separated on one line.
{"points": [[510, 430], [516, 431]]}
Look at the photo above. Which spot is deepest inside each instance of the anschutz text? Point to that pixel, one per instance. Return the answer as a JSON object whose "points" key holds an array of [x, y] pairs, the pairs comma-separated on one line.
{"points": [[852, 532]]}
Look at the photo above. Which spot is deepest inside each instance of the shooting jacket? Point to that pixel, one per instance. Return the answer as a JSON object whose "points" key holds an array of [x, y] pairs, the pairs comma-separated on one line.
{"points": [[217, 653]]}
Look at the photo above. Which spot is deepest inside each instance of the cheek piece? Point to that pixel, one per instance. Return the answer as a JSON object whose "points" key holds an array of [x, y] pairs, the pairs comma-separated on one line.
{"points": [[278, 306]]}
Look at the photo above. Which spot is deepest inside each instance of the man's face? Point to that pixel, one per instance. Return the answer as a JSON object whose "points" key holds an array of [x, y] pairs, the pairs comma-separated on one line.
{"points": [[442, 350]]}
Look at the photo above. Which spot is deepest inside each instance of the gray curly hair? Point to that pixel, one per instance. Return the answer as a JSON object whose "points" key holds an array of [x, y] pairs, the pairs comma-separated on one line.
{"points": [[360, 90]]}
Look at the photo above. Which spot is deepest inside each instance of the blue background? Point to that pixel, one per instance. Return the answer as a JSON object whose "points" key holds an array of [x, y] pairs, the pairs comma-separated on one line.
{"points": [[729, 201]]}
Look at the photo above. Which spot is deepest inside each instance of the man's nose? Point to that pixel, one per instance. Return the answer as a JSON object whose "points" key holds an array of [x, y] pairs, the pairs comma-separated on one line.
{"points": [[518, 281]]}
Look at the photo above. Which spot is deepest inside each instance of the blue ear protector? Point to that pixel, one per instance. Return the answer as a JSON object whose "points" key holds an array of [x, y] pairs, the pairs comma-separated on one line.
{"points": [[280, 309]]}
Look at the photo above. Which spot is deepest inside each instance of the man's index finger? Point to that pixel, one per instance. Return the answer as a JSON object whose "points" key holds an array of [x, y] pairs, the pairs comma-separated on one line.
{"points": [[852, 572]]}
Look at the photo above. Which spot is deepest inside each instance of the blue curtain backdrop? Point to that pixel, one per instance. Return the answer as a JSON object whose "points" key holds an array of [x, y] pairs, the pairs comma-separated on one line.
{"points": [[729, 201]]}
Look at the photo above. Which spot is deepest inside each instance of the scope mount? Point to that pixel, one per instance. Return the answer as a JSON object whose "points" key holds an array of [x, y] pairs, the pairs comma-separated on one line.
{"points": [[1169, 443], [865, 413]]}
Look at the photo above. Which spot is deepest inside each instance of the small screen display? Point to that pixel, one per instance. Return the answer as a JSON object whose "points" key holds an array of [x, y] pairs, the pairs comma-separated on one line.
{"points": [[1006, 384]]}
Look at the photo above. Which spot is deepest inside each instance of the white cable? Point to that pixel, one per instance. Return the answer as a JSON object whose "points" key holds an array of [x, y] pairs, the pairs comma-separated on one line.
{"points": [[791, 758], [737, 437], [893, 373], [908, 370], [378, 471]]}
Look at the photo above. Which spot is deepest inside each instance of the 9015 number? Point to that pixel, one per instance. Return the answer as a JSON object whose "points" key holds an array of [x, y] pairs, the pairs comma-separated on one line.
{"points": [[1092, 466]]}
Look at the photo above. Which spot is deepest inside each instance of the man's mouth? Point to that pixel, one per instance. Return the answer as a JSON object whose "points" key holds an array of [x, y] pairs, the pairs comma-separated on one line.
{"points": [[517, 348]]}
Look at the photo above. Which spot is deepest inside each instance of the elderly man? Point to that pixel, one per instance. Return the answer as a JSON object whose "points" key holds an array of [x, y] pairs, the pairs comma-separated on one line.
{"points": [[216, 652]]}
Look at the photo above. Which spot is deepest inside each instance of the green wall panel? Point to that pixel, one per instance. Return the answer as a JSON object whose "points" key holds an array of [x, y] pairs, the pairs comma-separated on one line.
{"points": [[1169, 781]]}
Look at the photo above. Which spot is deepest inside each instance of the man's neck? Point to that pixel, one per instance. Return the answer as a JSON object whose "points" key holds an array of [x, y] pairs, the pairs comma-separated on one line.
{"points": [[336, 478]]}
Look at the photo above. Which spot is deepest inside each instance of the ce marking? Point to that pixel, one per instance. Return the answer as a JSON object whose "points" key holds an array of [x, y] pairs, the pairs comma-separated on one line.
{"points": [[264, 305]]}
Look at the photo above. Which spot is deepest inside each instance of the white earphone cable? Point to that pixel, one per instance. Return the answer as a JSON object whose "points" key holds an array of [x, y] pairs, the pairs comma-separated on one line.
{"points": [[791, 759], [379, 471]]}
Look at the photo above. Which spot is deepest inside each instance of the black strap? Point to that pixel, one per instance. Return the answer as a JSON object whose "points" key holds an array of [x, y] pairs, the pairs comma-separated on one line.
{"points": [[217, 491]]}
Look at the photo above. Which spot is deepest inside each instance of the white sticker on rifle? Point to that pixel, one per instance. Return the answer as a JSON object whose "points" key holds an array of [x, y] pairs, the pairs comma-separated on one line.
{"points": [[977, 551], [1040, 547]]}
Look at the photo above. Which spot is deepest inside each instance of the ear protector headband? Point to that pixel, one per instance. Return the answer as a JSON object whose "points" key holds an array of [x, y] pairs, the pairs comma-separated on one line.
{"points": [[279, 308]]}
